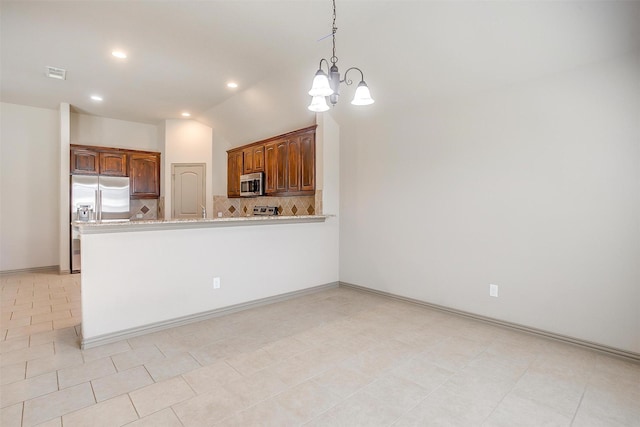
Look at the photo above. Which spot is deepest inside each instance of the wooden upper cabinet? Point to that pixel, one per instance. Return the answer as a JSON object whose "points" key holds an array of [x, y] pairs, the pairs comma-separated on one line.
{"points": [[247, 160], [88, 160], [288, 162], [234, 170], [270, 168], [258, 158], [293, 165], [308, 162], [253, 159], [144, 176], [142, 167], [113, 164], [84, 161], [281, 166]]}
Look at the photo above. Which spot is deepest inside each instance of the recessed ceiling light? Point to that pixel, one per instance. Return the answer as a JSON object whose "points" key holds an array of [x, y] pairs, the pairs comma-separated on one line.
{"points": [[96, 97], [119, 54], [232, 85], [185, 114]]}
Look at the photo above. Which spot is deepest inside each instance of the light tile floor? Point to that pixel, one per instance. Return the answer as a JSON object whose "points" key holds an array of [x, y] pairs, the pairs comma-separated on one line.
{"points": [[340, 357]]}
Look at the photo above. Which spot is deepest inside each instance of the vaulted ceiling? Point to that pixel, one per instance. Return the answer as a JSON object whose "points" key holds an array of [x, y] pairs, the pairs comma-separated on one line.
{"points": [[182, 53]]}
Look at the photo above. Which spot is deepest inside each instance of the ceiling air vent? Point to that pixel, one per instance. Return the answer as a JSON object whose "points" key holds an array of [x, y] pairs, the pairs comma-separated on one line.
{"points": [[56, 73]]}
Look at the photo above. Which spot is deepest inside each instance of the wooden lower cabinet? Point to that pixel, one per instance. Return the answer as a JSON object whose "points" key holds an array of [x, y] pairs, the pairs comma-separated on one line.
{"points": [[144, 176]]}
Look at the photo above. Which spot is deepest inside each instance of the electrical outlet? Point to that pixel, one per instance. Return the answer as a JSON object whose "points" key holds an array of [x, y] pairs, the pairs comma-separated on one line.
{"points": [[216, 283], [493, 290]]}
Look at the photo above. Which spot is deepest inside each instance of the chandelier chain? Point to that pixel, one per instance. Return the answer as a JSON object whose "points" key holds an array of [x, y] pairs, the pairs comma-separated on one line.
{"points": [[334, 29]]}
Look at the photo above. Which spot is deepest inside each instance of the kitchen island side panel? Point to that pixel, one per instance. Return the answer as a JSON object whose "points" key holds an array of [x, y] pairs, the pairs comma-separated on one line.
{"points": [[139, 278]]}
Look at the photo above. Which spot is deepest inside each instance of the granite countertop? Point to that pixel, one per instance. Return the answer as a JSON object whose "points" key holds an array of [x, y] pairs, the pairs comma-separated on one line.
{"points": [[116, 226]]}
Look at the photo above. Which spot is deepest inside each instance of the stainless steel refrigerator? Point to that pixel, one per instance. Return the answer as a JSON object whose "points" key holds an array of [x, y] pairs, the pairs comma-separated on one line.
{"points": [[96, 198]]}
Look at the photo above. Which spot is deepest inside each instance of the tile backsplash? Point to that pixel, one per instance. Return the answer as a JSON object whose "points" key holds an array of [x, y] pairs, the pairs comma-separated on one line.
{"points": [[148, 208], [290, 206]]}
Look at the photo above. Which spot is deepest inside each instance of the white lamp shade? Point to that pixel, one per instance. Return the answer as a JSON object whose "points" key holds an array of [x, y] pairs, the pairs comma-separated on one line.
{"points": [[320, 86], [318, 104], [362, 95]]}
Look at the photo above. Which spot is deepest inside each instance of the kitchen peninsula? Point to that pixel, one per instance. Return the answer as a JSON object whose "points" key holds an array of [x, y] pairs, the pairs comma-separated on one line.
{"points": [[141, 277], [144, 276]]}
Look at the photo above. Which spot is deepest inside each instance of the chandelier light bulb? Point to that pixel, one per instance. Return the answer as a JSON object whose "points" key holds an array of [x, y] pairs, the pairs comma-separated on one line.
{"points": [[320, 86], [318, 104], [362, 95]]}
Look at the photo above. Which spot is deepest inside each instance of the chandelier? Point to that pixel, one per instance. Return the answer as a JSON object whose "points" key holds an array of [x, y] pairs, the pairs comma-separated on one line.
{"points": [[327, 84]]}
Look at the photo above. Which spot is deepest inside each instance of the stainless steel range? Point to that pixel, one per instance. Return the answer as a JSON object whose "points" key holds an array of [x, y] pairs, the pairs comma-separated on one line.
{"points": [[265, 210]]}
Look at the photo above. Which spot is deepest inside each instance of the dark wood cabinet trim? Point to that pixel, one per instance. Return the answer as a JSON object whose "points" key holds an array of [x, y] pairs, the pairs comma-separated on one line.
{"points": [[287, 135], [99, 148]]}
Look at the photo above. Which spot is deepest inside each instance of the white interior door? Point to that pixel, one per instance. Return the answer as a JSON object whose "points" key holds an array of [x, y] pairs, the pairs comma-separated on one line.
{"points": [[188, 190]]}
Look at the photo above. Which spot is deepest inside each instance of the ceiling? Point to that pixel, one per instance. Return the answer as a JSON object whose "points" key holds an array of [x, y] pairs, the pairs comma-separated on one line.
{"points": [[182, 53]]}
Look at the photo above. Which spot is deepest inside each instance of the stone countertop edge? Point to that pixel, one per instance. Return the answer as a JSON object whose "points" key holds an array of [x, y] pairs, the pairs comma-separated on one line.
{"points": [[183, 224]]}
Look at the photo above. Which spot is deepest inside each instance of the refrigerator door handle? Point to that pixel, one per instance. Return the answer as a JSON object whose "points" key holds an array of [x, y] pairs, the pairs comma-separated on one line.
{"points": [[98, 213]]}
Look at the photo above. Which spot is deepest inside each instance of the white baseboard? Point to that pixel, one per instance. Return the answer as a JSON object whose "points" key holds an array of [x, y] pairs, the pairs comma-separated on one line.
{"points": [[628, 355], [49, 268]]}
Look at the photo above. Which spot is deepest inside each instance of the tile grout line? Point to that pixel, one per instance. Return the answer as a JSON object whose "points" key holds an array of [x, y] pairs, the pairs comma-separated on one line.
{"points": [[133, 404], [584, 391]]}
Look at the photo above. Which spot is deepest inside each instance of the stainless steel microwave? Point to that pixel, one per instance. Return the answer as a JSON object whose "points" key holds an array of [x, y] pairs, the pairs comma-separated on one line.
{"points": [[252, 184]]}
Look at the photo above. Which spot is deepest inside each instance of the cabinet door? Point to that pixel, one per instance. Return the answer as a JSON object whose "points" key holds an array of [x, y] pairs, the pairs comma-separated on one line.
{"points": [[84, 162], [293, 165], [281, 166], [247, 157], [234, 170], [144, 176], [270, 168], [113, 164], [307, 162], [258, 158]]}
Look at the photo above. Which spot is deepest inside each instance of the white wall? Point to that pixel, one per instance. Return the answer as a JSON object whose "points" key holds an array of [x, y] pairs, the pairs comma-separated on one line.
{"points": [[328, 163], [534, 188], [29, 187], [187, 141], [106, 132], [34, 169]]}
